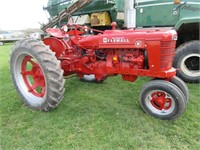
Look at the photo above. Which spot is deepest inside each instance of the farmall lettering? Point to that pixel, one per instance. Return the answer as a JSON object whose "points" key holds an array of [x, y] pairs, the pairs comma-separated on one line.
{"points": [[133, 53], [116, 40]]}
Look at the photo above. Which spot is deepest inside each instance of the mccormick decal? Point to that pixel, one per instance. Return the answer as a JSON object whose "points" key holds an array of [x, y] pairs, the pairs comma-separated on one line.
{"points": [[115, 40]]}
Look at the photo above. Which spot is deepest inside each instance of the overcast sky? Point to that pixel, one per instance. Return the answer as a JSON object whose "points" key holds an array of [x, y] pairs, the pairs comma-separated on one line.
{"points": [[22, 14]]}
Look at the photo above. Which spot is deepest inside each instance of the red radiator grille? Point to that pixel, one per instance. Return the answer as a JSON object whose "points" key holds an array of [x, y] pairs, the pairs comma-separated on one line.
{"points": [[167, 51]]}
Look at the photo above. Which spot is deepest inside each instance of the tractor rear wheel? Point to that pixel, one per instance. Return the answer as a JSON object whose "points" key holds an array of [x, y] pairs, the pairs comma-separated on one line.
{"points": [[187, 60], [162, 99], [37, 75]]}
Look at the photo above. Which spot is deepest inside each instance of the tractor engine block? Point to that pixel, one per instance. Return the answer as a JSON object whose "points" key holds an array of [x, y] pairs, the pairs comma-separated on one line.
{"points": [[87, 62], [129, 58]]}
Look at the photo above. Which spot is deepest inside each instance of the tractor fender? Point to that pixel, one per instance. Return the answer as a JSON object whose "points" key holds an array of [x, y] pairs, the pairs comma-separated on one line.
{"points": [[56, 33], [56, 45]]}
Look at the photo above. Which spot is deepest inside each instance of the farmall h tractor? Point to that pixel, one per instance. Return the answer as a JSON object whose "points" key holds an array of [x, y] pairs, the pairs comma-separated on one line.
{"points": [[38, 67]]}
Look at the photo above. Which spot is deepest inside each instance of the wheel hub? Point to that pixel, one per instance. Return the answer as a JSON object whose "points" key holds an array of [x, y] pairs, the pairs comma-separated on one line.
{"points": [[160, 102], [33, 76], [190, 65], [38, 76]]}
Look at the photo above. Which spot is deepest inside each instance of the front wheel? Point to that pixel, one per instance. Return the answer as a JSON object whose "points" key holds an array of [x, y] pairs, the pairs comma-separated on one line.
{"points": [[186, 61], [182, 86], [37, 75], [162, 99]]}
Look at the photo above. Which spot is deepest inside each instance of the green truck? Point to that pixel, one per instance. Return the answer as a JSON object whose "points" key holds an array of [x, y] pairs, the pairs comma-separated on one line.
{"points": [[183, 16]]}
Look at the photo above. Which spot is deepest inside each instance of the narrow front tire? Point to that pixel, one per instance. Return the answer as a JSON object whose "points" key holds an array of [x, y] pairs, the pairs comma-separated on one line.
{"points": [[162, 99]]}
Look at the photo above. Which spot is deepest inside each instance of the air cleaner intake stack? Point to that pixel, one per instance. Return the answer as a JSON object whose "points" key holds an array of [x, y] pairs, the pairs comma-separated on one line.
{"points": [[130, 14]]}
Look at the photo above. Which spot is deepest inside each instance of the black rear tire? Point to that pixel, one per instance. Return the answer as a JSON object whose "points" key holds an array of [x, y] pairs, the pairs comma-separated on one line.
{"points": [[186, 61], [37, 75], [162, 99]]}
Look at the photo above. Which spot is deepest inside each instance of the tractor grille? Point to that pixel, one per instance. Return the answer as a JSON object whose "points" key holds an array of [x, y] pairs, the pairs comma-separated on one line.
{"points": [[167, 54]]}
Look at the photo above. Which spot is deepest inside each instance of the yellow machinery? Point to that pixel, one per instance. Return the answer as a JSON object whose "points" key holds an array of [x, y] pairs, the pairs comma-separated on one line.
{"points": [[100, 19]]}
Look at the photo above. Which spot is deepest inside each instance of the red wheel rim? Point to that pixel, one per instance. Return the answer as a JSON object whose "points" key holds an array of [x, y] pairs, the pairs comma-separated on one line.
{"points": [[160, 102], [33, 76]]}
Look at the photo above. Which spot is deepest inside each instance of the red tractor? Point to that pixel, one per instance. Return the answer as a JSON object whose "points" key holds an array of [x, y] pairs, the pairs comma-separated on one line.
{"points": [[38, 67]]}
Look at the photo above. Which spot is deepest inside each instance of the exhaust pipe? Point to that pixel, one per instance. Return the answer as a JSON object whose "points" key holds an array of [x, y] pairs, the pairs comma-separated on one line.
{"points": [[129, 14]]}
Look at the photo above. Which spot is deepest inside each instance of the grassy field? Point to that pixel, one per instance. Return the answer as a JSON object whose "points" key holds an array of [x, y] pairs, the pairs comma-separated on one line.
{"points": [[93, 116]]}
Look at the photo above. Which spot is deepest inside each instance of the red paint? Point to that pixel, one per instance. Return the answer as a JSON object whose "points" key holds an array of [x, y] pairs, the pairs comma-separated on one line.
{"points": [[130, 53], [34, 77], [160, 102]]}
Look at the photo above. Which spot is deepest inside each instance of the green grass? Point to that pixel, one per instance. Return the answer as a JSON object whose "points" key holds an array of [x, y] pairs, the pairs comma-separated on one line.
{"points": [[93, 116]]}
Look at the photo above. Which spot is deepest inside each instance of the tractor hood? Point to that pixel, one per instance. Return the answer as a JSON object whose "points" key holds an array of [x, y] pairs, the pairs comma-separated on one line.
{"points": [[127, 38]]}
